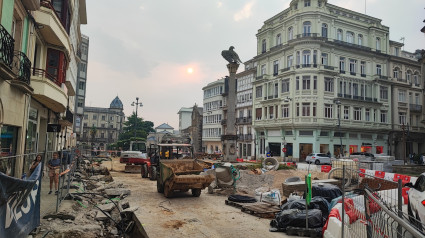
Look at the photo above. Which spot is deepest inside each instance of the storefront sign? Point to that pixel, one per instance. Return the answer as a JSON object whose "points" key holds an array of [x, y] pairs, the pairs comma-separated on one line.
{"points": [[53, 128]]}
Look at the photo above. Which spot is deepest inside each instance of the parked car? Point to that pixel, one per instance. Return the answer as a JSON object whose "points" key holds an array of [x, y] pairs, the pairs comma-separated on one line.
{"points": [[363, 154], [318, 158], [416, 205]]}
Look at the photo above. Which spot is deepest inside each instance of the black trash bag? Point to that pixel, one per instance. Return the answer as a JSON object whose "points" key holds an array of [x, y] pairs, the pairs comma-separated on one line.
{"points": [[326, 190], [315, 203], [296, 218], [241, 198]]}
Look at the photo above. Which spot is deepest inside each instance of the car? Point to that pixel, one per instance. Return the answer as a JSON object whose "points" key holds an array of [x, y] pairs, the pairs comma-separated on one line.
{"points": [[363, 155], [318, 158], [416, 204]]}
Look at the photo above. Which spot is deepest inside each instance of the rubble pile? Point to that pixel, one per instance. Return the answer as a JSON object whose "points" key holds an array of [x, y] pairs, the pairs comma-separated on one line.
{"points": [[96, 206]]}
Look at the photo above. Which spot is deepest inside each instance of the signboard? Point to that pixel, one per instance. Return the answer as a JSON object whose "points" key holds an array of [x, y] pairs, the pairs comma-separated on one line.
{"points": [[284, 149], [53, 128], [19, 204]]}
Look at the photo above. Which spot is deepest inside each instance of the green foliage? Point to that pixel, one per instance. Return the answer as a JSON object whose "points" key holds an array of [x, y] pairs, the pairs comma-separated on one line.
{"points": [[254, 166], [285, 167], [132, 124]]}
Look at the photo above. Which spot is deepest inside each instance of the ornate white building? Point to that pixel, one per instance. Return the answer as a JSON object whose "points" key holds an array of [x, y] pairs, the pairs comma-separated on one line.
{"points": [[318, 63]]}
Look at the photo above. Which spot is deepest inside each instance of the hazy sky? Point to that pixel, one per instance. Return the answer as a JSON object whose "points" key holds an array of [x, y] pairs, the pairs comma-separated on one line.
{"points": [[144, 48]]}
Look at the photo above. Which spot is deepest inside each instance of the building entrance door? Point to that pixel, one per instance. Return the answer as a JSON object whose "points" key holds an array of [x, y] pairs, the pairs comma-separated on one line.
{"points": [[305, 149], [274, 149]]}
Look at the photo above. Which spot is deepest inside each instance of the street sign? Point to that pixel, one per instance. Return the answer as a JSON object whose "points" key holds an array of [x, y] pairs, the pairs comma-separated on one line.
{"points": [[284, 149], [53, 127]]}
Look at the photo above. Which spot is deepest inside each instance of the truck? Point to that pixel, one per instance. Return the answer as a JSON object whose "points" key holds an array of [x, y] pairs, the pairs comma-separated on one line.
{"points": [[136, 158], [179, 171]]}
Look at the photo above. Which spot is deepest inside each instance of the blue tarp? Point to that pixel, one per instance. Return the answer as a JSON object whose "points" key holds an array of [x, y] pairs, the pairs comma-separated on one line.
{"points": [[19, 204]]}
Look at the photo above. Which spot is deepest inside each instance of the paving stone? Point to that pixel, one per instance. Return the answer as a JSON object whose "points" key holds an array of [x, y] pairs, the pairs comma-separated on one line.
{"points": [[100, 216], [106, 207], [117, 191]]}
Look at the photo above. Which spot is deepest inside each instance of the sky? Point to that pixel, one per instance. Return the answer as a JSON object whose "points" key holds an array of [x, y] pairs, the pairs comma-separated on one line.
{"points": [[165, 51]]}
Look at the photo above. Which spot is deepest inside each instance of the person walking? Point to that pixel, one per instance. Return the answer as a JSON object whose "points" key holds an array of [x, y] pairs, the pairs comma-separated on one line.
{"points": [[54, 169], [34, 164]]}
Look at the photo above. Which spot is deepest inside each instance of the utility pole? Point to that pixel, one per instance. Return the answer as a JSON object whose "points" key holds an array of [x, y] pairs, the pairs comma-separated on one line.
{"points": [[137, 103], [404, 143]]}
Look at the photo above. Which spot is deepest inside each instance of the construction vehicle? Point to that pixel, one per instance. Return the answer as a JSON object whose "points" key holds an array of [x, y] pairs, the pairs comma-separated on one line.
{"points": [[135, 158], [179, 171]]}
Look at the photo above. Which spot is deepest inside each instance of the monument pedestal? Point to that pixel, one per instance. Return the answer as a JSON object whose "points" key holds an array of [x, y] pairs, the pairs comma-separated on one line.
{"points": [[230, 147]]}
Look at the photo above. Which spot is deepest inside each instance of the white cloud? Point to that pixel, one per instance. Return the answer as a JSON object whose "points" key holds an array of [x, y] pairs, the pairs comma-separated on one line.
{"points": [[142, 8], [245, 13], [219, 4]]}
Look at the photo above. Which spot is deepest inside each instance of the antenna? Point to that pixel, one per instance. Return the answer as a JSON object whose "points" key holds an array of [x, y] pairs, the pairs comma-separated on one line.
{"points": [[365, 7]]}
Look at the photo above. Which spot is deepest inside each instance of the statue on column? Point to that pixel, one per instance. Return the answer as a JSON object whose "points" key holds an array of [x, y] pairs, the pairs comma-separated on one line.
{"points": [[231, 56]]}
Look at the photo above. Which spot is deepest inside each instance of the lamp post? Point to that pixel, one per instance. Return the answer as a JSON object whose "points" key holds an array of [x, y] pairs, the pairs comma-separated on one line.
{"points": [[137, 104], [338, 102]]}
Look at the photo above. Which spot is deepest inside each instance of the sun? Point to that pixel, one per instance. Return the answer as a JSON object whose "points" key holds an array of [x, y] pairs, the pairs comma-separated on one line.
{"points": [[189, 70]]}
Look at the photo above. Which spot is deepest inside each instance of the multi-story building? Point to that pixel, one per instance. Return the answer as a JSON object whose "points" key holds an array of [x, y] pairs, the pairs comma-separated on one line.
{"points": [[39, 42], [214, 102], [185, 118], [102, 126], [81, 87], [245, 132], [324, 84]]}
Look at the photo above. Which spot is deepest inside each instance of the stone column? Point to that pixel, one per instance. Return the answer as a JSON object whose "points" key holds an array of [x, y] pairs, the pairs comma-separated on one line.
{"points": [[229, 139]]}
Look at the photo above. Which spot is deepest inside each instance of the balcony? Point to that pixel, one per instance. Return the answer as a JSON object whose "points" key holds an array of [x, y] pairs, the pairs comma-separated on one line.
{"points": [[415, 108], [328, 67], [285, 69], [6, 54], [68, 119], [224, 122], [51, 27], [48, 90], [248, 137], [21, 67], [31, 5], [306, 65], [343, 43], [401, 80], [305, 35]]}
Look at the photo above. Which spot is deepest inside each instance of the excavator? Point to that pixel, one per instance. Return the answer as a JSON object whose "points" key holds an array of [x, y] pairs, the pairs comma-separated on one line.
{"points": [[135, 158]]}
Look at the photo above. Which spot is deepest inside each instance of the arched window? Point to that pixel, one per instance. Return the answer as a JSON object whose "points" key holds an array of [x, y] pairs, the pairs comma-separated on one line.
{"points": [[324, 30], [307, 28], [350, 37], [263, 46], [339, 34], [278, 39], [306, 56], [290, 33], [360, 39], [378, 44]]}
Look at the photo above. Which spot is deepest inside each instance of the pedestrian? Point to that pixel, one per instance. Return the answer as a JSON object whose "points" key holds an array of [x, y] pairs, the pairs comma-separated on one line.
{"points": [[54, 169], [34, 164], [328, 154]]}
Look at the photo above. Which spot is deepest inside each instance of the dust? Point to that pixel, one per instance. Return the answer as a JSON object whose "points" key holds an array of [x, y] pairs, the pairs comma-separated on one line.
{"points": [[176, 224]]}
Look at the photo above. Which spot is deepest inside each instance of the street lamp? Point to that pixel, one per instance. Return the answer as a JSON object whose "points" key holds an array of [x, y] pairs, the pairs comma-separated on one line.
{"points": [[338, 102], [137, 104]]}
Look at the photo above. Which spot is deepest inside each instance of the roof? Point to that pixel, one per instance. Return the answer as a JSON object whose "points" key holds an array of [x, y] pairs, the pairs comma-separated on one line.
{"points": [[164, 126], [185, 109], [116, 103]]}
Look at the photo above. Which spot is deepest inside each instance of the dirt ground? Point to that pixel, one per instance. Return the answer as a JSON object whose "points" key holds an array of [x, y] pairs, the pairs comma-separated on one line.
{"points": [[186, 216]]}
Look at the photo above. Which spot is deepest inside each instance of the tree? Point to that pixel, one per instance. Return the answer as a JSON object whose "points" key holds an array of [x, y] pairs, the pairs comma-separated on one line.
{"points": [[93, 131], [142, 129]]}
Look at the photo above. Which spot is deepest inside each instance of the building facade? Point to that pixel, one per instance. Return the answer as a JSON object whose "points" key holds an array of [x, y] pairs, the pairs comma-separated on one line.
{"points": [[102, 126], [214, 102], [185, 118], [245, 132], [324, 84], [80, 97], [38, 75]]}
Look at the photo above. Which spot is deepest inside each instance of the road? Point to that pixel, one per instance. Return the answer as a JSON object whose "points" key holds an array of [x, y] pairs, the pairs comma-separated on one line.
{"points": [[186, 216]]}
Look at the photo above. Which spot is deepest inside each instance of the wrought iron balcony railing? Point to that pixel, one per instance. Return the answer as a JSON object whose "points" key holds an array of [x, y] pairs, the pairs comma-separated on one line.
{"points": [[44, 73], [7, 46], [22, 67], [415, 108]]}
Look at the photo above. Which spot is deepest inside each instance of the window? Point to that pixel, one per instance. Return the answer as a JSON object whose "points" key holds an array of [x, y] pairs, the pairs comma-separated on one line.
{"points": [[63, 11], [367, 114], [263, 69], [324, 59], [328, 111], [378, 44], [111, 118], [396, 73], [383, 91], [103, 117], [342, 64], [324, 30], [346, 112], [307, 28], [271, 112], [80, 102], [360, 39], [357, 113], [402, 118], [314, 82], [378, 69], [56, 65], [402, 96], [306, 57], [306, 82], [85, 123], [298, 58], [314, 109], [339, 34], [278, 39], [285, 111], [315, 57], [81, 85], [397, 51], [329, 85], [353, 66], [258, 113], [363, 68], [350, 37], [258, 91], [276, 90], [306, 109], [415, 79], [275, 67], [86, 116], [263, 46], [290, 59], [298, 110], [94, 117], [102, 125], [408, 73], [290, 33], [307, 3], [297, 84], [285, 85], [384, 116]]}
